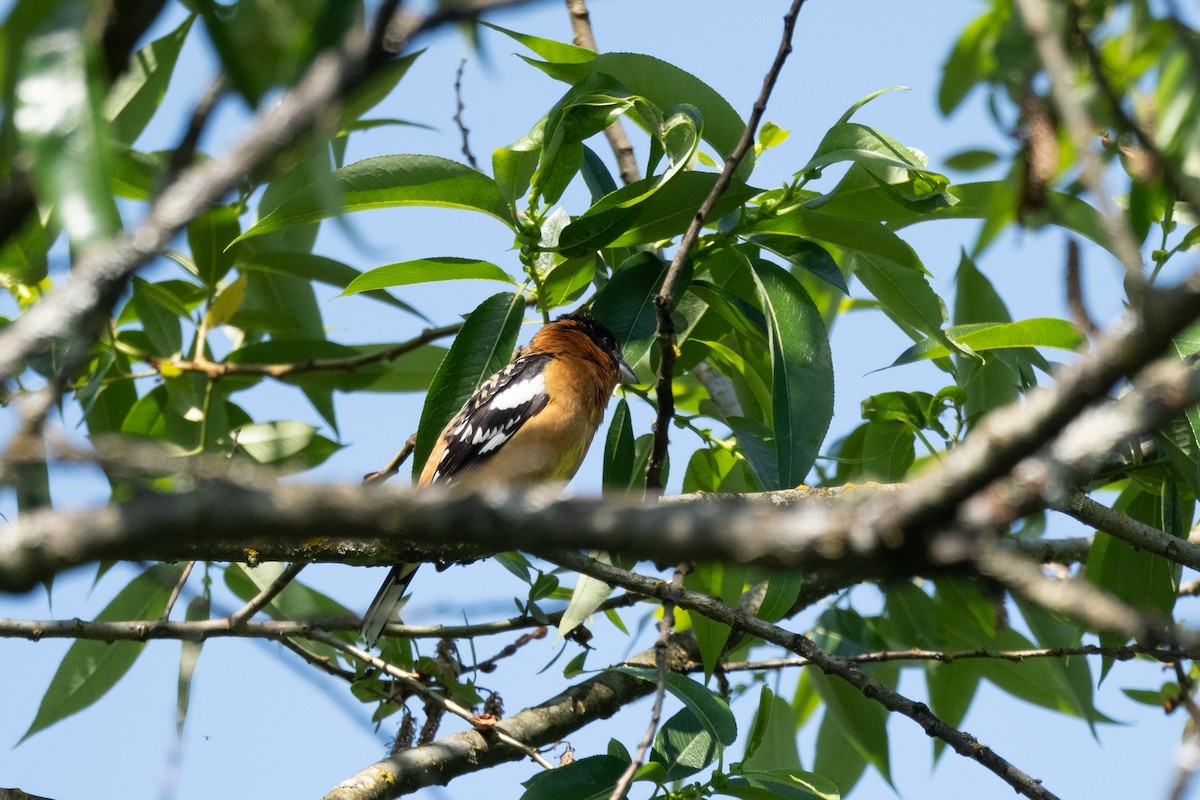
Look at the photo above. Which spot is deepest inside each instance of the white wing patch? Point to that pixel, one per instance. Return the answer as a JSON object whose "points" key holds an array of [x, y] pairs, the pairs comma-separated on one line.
{"points": [[519, 393]]}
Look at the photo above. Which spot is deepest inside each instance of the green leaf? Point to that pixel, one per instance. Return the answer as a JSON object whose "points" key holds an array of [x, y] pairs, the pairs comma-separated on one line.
{"points": [[684, 746], [556, 52], [971, 159], [315, 268], [208, 237], [24, 259], [888, 162], [654, 208], [667, 213], [587, 596], [757, 443], [55, 108], [771, 744], [970, 61], [904, 295], [992, 382], [159, 319], [484, 345], [198, 609], [784, 784], [850, 112], [861, 721], [724, 581], [976, 201], [1142, 579], [388, 182], [843, 234], [376, 88], [267, 43], [888, 450], [657, 81], [591, 778], [708, 708], [626, 304], [226, 303], [280, 305], [295, 602], [952, 689], [783, 588], [425, 270], [980, 337], [619, 449], [836, 757], [91, 668], [137, 93], [717, 470], [271, 442], [802, 372]]}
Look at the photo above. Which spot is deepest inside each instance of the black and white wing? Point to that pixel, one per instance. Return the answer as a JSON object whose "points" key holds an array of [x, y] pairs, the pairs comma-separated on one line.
{"points": [[497, 410]]}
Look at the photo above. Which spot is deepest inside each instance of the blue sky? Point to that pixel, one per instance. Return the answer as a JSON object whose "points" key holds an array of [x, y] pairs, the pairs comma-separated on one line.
{"points": [[263, 725]]}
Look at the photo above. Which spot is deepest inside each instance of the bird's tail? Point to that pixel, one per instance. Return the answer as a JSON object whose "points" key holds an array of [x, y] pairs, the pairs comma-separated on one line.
{"points": [[384, 606]]}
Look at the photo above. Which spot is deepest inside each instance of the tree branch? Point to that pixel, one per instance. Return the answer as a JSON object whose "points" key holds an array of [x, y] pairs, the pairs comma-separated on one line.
{"points": [[438, 762], [962, 743], [1127, 653], [1129, 530], [664, 301], [241, 520]]}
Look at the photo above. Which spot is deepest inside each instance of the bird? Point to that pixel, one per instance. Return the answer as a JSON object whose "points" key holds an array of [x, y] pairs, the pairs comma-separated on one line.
{"points": [[530, 423]]}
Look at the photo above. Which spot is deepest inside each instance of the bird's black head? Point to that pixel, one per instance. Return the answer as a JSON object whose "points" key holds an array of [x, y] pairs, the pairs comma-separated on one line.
{"points": [[602, 337]]}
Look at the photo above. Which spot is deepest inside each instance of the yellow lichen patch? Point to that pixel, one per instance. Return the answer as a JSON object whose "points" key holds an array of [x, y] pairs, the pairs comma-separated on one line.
{"points": [[251, 556], [321, 544]]}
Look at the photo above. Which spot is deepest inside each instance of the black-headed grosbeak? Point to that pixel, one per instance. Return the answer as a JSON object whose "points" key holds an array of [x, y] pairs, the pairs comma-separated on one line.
{"points": [[530, 423]]}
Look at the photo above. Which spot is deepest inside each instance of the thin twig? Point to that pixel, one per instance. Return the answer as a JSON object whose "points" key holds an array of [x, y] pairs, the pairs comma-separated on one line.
{"points": [[666, 627], [1132, 531], [1080, 600], [393, 466], [320, 663], [664, 301], [1188, 754], [458, 115], [187, 571], [960, 741], [413, 682], [489, 665], [218, 369], [278, 630], [269, 593], [1075, 301], [1082, 130], [185, 151], [1125, 653]]}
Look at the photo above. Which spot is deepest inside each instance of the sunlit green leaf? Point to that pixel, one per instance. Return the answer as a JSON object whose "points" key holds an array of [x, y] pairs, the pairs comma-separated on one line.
{"points": [[803, 372], [58, 118], [482, 347], [91, 667], [136, 94], [388, 182], [424, 270]]}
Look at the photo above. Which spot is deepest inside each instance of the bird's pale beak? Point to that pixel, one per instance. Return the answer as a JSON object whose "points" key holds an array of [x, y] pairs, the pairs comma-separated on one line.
{"points": [[627, 374]]}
